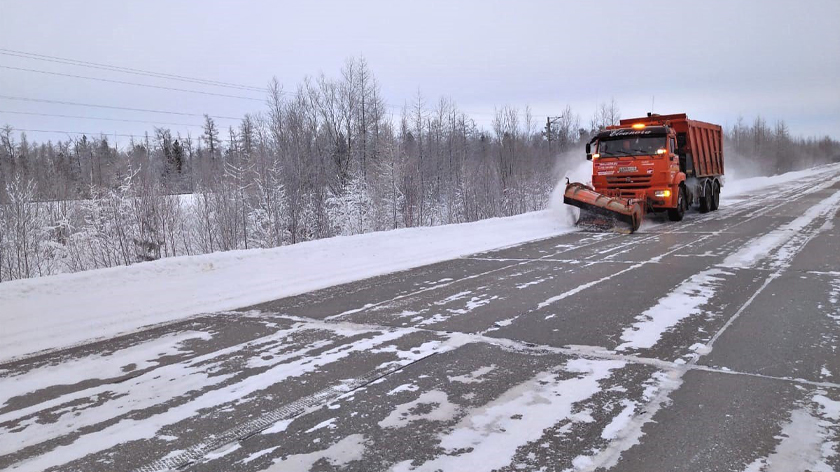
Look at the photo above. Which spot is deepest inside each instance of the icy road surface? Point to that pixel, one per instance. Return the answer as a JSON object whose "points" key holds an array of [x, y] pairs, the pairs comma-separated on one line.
{"points": [[709, 345]]}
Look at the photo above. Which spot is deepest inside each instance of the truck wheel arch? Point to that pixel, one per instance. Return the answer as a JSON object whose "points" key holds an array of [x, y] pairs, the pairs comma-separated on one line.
{"points": [[679, 180]]}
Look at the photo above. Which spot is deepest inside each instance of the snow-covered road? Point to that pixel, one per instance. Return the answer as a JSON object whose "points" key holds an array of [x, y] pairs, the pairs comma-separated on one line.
{"points": [[705, 345]]}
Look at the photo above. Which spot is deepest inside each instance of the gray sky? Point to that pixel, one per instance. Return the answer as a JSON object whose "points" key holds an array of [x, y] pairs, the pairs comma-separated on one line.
{"points": [[715, 60]]}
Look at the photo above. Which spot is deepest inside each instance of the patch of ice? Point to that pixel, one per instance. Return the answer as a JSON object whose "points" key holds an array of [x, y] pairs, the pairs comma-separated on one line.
{"points": [[505, 322], [349, 449], [259, 454], [532, 282], [405, 414], [404, 388], [330, 423], [222, 451], [829, 407], [474, 376]]}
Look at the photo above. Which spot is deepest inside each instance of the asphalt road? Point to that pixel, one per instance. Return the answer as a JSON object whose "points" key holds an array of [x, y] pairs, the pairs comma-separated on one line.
{"points": [[707, 345]]}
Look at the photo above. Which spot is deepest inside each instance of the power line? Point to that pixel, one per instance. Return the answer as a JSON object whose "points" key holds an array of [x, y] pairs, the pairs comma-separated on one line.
{"points": [[58, 102], [79, 132], [127, 70], [411, 109], [130, 83], [75, 62], [99, 118]]}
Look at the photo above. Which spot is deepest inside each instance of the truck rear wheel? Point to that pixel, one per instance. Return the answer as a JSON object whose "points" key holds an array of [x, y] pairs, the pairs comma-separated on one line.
{"points": [[706, 199], [715, 197], [676, 214]]}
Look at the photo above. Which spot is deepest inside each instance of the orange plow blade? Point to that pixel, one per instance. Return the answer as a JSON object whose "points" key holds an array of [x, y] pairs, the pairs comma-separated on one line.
{"points": [[602, 212]]}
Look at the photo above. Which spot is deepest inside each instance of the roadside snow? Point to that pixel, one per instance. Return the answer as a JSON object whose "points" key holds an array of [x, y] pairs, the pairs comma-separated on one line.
{"points": [[734, 187], [62, 310]]}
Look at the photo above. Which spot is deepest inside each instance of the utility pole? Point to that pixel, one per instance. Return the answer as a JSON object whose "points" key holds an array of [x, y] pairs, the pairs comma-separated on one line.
{"points": [[549, 120]]}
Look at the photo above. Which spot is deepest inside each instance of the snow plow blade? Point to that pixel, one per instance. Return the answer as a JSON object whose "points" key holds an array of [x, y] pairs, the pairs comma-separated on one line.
{"points": [[601, 212]]}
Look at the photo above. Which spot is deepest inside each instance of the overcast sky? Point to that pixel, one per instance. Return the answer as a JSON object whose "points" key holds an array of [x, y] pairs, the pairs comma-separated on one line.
{"points": [[715, 60]]}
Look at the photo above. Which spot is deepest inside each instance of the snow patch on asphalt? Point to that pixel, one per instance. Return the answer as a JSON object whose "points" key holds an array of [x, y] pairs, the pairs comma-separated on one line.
{"points": [[474, 376], [620, 422], [259, 454], [627, 431], [98, 366], [807, 440], [685, 301], [349, 449], [492, 434], [330, 423], [441, 409], [409, 387], [164, 384]]}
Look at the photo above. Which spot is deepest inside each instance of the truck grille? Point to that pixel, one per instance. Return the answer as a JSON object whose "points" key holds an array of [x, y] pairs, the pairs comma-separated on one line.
{"points": [[635, 182]]}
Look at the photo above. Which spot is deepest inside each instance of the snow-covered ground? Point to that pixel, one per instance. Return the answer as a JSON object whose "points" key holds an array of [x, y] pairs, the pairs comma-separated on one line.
{"points": [[734, 187], [63, 310]]}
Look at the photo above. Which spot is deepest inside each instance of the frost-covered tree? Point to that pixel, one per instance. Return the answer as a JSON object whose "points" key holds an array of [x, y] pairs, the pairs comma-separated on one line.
{"points": [[350, 211]]}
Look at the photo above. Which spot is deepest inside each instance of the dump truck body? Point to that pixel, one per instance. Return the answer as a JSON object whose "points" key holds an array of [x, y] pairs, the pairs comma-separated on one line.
{"points": [[658, 162]]}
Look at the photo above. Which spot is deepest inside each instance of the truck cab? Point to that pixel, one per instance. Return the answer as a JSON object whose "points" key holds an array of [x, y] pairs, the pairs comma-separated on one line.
{"points": [[638, 162]]}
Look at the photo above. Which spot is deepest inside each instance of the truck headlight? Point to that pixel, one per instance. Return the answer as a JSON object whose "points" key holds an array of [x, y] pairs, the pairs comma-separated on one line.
{"points": [[662, 193]]}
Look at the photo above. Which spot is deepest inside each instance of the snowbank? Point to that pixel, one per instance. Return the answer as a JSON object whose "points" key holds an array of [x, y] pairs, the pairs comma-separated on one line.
{"points": [[61, 310], [735, 187]]}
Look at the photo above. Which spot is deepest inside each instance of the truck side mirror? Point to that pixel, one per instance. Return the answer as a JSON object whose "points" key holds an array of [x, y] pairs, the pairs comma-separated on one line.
{"points": [[589, 157], [588, 148]]}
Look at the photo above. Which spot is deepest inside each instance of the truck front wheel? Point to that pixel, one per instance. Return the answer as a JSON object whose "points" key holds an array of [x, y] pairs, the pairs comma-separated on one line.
{"points": [[676, 214]]}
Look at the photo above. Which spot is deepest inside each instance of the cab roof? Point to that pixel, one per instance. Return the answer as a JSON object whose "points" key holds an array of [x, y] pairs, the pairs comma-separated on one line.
{"points": [[629, 131]]}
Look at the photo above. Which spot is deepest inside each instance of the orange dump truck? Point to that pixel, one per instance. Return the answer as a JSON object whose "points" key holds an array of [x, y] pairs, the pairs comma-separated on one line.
{"points": [[657, 163]]}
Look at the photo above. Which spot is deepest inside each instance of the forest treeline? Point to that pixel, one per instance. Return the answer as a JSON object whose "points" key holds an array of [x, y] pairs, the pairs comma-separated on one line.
{"points": [[327, 158]]}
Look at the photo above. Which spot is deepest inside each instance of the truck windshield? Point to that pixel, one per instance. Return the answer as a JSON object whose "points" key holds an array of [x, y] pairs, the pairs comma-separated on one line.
{"points": [[630, 146]]}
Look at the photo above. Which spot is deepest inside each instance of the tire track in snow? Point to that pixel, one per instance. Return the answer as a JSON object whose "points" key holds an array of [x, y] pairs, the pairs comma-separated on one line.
{"points": [[194, 454]]}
